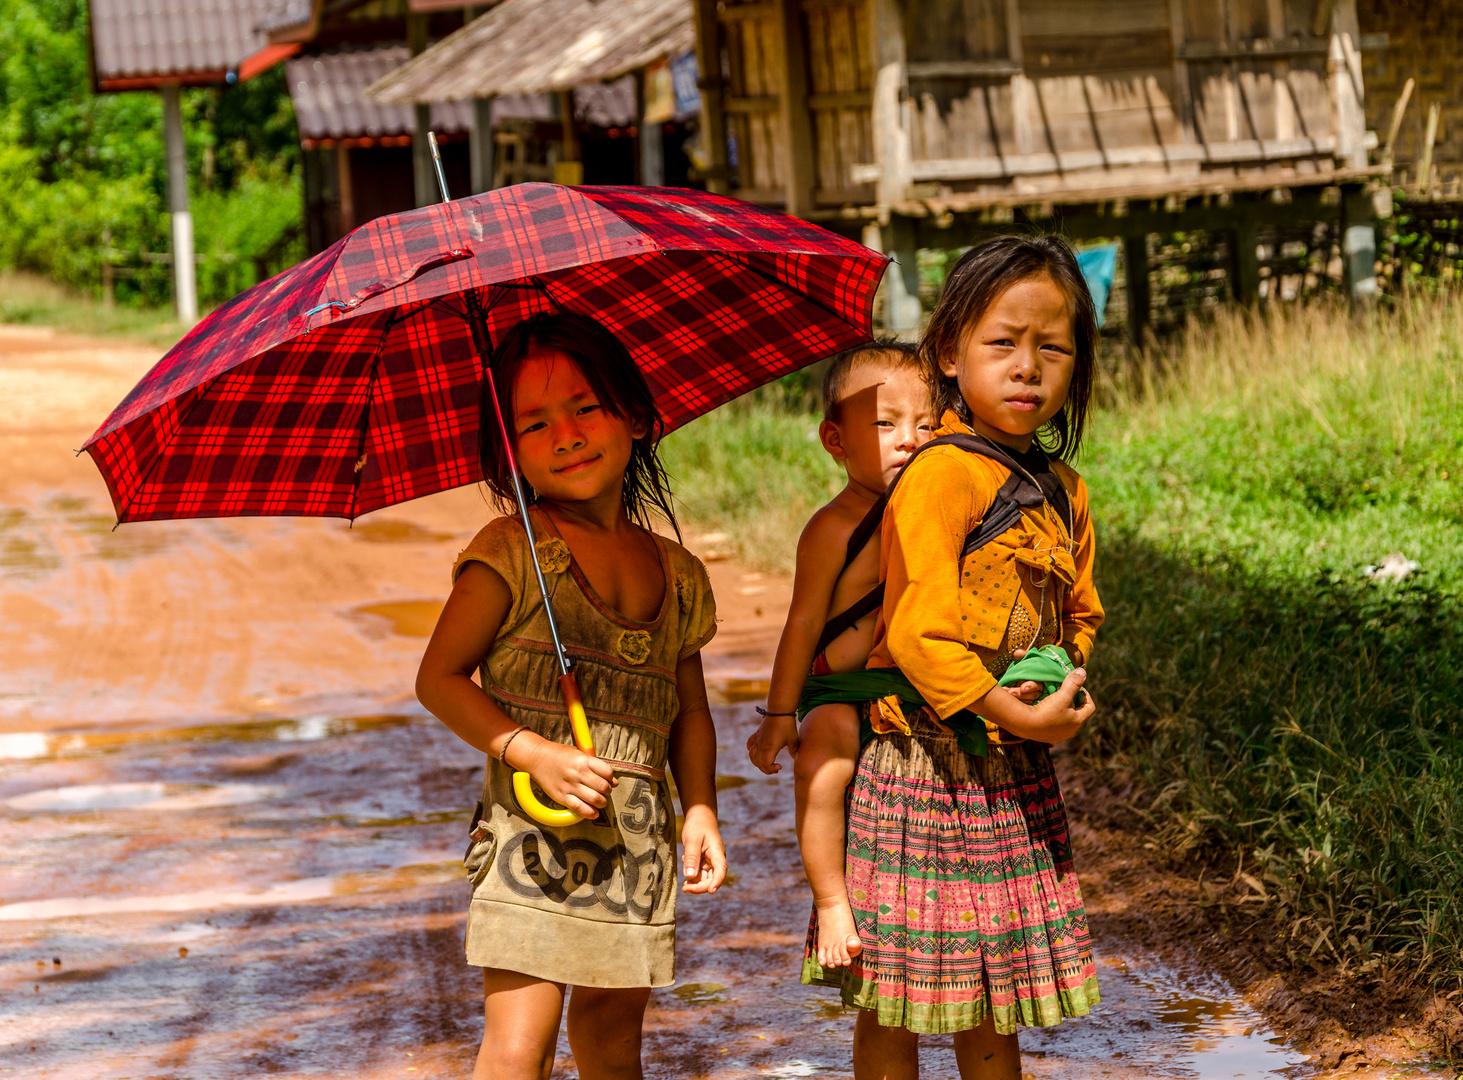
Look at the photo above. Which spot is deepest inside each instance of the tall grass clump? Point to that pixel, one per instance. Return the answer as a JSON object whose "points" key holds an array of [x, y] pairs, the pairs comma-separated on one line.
{"points": [[1281, 706]]}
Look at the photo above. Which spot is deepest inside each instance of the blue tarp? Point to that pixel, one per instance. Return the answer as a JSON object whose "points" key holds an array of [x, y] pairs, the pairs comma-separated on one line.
{"points": [[1099, 266]]}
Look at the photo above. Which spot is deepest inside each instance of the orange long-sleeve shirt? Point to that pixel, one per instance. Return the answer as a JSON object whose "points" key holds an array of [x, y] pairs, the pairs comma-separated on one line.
{"points": [[946, 618]]}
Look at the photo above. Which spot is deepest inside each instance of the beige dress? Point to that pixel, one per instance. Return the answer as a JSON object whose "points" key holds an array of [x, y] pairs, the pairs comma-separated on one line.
{"points": [[593, 904]]}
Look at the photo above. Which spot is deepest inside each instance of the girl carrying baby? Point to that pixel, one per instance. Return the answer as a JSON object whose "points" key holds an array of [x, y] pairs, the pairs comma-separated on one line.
{"points": [[959, 865]]}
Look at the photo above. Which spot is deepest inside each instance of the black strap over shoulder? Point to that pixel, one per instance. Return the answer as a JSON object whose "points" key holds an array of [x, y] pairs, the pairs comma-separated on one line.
{"points": [[1024, 488]]}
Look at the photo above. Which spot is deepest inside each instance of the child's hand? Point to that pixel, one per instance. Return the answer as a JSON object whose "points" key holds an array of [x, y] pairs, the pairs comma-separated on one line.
{"points": [[572, 778], [704, 861], [775, 733], [1055, 718], [1050, 720], [1028, 691]]}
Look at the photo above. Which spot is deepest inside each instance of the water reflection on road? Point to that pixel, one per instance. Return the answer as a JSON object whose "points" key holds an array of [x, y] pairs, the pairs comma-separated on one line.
{"points": [[284, 896]]}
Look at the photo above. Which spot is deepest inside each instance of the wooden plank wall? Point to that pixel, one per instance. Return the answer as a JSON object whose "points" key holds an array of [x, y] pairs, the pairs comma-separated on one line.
{"points": [[1260, 97], [840, 96], [1034, 97], [756, 74]]}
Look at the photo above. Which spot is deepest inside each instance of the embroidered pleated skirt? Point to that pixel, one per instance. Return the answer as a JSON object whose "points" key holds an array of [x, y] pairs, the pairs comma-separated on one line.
{"points": [[959, 870]]}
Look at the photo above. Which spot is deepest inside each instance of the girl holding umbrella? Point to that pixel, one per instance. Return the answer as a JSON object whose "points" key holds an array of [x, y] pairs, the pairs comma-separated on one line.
{"points": [[590, 904]]}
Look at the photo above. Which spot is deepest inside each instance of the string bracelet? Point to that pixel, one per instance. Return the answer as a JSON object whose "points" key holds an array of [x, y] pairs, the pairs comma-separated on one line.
{"points": [[503, 753], [763, 712]]}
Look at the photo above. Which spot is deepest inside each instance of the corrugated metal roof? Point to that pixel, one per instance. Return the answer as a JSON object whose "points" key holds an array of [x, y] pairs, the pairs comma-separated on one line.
{"points": [[329, 92], [140, 39], [535, 46]]}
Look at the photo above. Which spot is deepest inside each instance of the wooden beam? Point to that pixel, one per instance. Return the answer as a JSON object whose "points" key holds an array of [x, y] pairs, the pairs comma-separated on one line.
{"points": [[1396, 125], [1068, 161], [1090, 222], [765, 103], [345, 190], [1265, 48], [1425, 163], [797, 123], [713, 107], [963, 69]]}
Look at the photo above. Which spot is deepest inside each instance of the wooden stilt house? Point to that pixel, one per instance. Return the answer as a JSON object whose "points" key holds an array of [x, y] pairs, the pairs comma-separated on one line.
{"points": [[930, 123]]}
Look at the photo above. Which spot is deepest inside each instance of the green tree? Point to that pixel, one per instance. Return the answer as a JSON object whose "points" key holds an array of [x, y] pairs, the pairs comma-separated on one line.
{"points": [[80, 171]]}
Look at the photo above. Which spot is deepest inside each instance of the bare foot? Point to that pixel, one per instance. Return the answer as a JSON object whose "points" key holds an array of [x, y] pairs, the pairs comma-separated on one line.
{"points": [[838, 940]]}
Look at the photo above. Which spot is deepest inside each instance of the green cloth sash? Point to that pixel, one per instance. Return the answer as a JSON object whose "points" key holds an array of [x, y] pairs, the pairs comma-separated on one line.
{"points": [[1047, 665]]}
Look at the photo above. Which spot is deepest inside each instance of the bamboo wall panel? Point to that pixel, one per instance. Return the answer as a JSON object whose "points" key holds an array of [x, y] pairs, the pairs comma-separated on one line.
{"points": [[755, 83], [840, 80]]}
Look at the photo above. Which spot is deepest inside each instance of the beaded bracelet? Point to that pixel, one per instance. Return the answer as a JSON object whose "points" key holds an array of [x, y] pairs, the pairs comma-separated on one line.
{"points": [[763, 712]]}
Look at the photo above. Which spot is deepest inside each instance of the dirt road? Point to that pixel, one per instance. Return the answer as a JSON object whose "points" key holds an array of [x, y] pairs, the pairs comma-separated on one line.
{"points": [[232, 838]]}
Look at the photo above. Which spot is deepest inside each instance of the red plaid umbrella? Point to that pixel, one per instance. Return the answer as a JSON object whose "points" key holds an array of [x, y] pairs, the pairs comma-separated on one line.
{"points": [[350, 382]]}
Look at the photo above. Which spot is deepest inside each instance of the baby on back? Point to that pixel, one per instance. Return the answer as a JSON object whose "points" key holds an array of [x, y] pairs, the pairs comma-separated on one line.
{"points": [[877, 410]]}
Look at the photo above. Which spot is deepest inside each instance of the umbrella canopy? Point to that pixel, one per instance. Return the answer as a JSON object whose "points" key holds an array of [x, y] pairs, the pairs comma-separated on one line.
{"points": [[350, 382]]}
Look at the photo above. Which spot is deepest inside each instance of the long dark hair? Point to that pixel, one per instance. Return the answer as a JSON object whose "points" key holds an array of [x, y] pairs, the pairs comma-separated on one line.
{"points": [[616, 381], [980, 276]]}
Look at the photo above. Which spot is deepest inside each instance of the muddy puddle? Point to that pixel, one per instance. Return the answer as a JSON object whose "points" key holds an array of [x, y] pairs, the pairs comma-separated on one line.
{"points": [[285, 896]]}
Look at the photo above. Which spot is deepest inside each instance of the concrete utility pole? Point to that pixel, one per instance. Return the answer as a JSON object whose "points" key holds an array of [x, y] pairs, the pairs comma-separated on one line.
{"points": [[185, 280]]}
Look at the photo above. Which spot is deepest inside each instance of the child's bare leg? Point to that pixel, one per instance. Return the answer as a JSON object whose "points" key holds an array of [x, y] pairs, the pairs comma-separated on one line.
{"points": [[883, 1053], [822, 770], [981, 1054], [604, 1031], [521, 1026]]}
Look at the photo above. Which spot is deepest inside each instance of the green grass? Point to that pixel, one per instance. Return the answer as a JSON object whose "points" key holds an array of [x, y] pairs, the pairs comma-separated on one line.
{"points": [[31, 300], [1277, 706]]}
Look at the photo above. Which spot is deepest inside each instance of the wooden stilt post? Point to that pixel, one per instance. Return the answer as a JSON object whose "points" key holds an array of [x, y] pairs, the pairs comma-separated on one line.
{"points": [[480, 146], [1135, 277], [652, 141], [185, 279], [1245, 262], [899, 292], [424, 177], [1359, 245], [797, 127], [713, 93]]}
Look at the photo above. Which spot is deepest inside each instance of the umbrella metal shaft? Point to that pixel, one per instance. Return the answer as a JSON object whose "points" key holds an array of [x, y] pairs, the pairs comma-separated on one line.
{"points": [[543, 587], [437, 164]]}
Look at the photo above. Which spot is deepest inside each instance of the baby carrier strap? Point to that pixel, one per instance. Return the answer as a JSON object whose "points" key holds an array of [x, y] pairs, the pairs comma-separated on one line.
{"points": [[1023, 489]]}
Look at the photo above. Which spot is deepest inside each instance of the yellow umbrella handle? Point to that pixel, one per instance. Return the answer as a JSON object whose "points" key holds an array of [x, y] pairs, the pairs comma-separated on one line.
{"points": [[522, 785]]}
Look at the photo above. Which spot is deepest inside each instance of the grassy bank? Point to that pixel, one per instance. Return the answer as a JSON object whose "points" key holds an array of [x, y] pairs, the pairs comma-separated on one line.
{"points": [[31, 300], [1279, 706]]}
